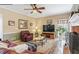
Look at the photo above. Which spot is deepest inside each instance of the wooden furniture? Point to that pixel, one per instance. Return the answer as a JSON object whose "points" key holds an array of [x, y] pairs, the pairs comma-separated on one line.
{"points": [[39, 41], [50, 35], [66, 50], [75, 29]]}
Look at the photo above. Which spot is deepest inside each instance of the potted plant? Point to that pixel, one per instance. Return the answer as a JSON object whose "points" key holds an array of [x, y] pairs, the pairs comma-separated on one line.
{"points": [[60, 30]]}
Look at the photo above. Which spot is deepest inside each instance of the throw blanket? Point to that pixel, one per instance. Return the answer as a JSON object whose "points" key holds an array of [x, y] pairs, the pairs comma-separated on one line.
{"points": [[19, 48], [7, 51], [3, 51], [32, 47]]}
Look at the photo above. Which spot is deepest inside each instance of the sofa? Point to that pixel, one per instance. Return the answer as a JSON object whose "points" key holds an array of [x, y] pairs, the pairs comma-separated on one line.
{"points": [[26, 36]]}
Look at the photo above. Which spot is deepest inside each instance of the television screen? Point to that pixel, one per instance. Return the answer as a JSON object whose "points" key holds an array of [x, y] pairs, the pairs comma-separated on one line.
{"points": [[48, 28]]}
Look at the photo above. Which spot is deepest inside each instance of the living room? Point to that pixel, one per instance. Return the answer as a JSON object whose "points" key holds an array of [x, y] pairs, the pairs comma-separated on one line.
{"points": [[42, 23]]}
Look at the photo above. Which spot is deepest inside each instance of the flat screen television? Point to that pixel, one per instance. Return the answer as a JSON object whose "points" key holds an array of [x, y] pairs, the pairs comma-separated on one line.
{"points": [[48, 28]]}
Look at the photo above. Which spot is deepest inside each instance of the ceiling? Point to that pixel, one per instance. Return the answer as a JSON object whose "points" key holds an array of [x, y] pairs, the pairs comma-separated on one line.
{"points": [[50, 9]]}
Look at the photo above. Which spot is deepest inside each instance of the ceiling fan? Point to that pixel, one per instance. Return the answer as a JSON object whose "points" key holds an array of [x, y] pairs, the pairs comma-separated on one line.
{"points": [[35, 8]]}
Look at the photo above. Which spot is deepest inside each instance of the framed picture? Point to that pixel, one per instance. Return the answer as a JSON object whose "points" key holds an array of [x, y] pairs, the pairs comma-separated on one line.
{"points": [[49, 21], [31, 24], [11, 23], [22, 24]]}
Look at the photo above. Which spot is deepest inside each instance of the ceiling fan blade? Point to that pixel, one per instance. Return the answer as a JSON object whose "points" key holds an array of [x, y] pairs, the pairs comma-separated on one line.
{"points": [[28, 9], [33, 6], [41, 8], [39, 11]]}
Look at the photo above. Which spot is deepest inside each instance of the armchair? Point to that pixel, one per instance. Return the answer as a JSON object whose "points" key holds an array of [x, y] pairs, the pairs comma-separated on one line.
{"points": [[26, 36]]}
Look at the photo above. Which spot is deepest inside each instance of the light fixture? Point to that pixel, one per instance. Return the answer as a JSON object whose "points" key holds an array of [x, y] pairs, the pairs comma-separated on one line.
{"points": [[34, 11]]}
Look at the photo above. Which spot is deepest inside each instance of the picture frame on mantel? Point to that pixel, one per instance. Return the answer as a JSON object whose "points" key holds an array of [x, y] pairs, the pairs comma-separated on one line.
{"points": [[22, 24]]}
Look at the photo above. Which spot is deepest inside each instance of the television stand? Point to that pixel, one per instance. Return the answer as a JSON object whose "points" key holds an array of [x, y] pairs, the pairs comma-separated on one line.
{"points": [[50, 35]]}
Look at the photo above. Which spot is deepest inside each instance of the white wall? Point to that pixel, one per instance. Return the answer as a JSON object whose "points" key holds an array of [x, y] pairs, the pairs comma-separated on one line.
{"points": [[74, 20], [13, 16], [1, 27]]}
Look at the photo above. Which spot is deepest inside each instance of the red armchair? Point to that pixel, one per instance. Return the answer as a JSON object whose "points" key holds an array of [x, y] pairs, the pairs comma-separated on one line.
{"points": [[26, 36]]}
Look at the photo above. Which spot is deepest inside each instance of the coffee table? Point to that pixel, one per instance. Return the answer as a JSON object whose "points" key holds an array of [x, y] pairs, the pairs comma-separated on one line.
{"points": [[39, 41], [47, 48]]}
